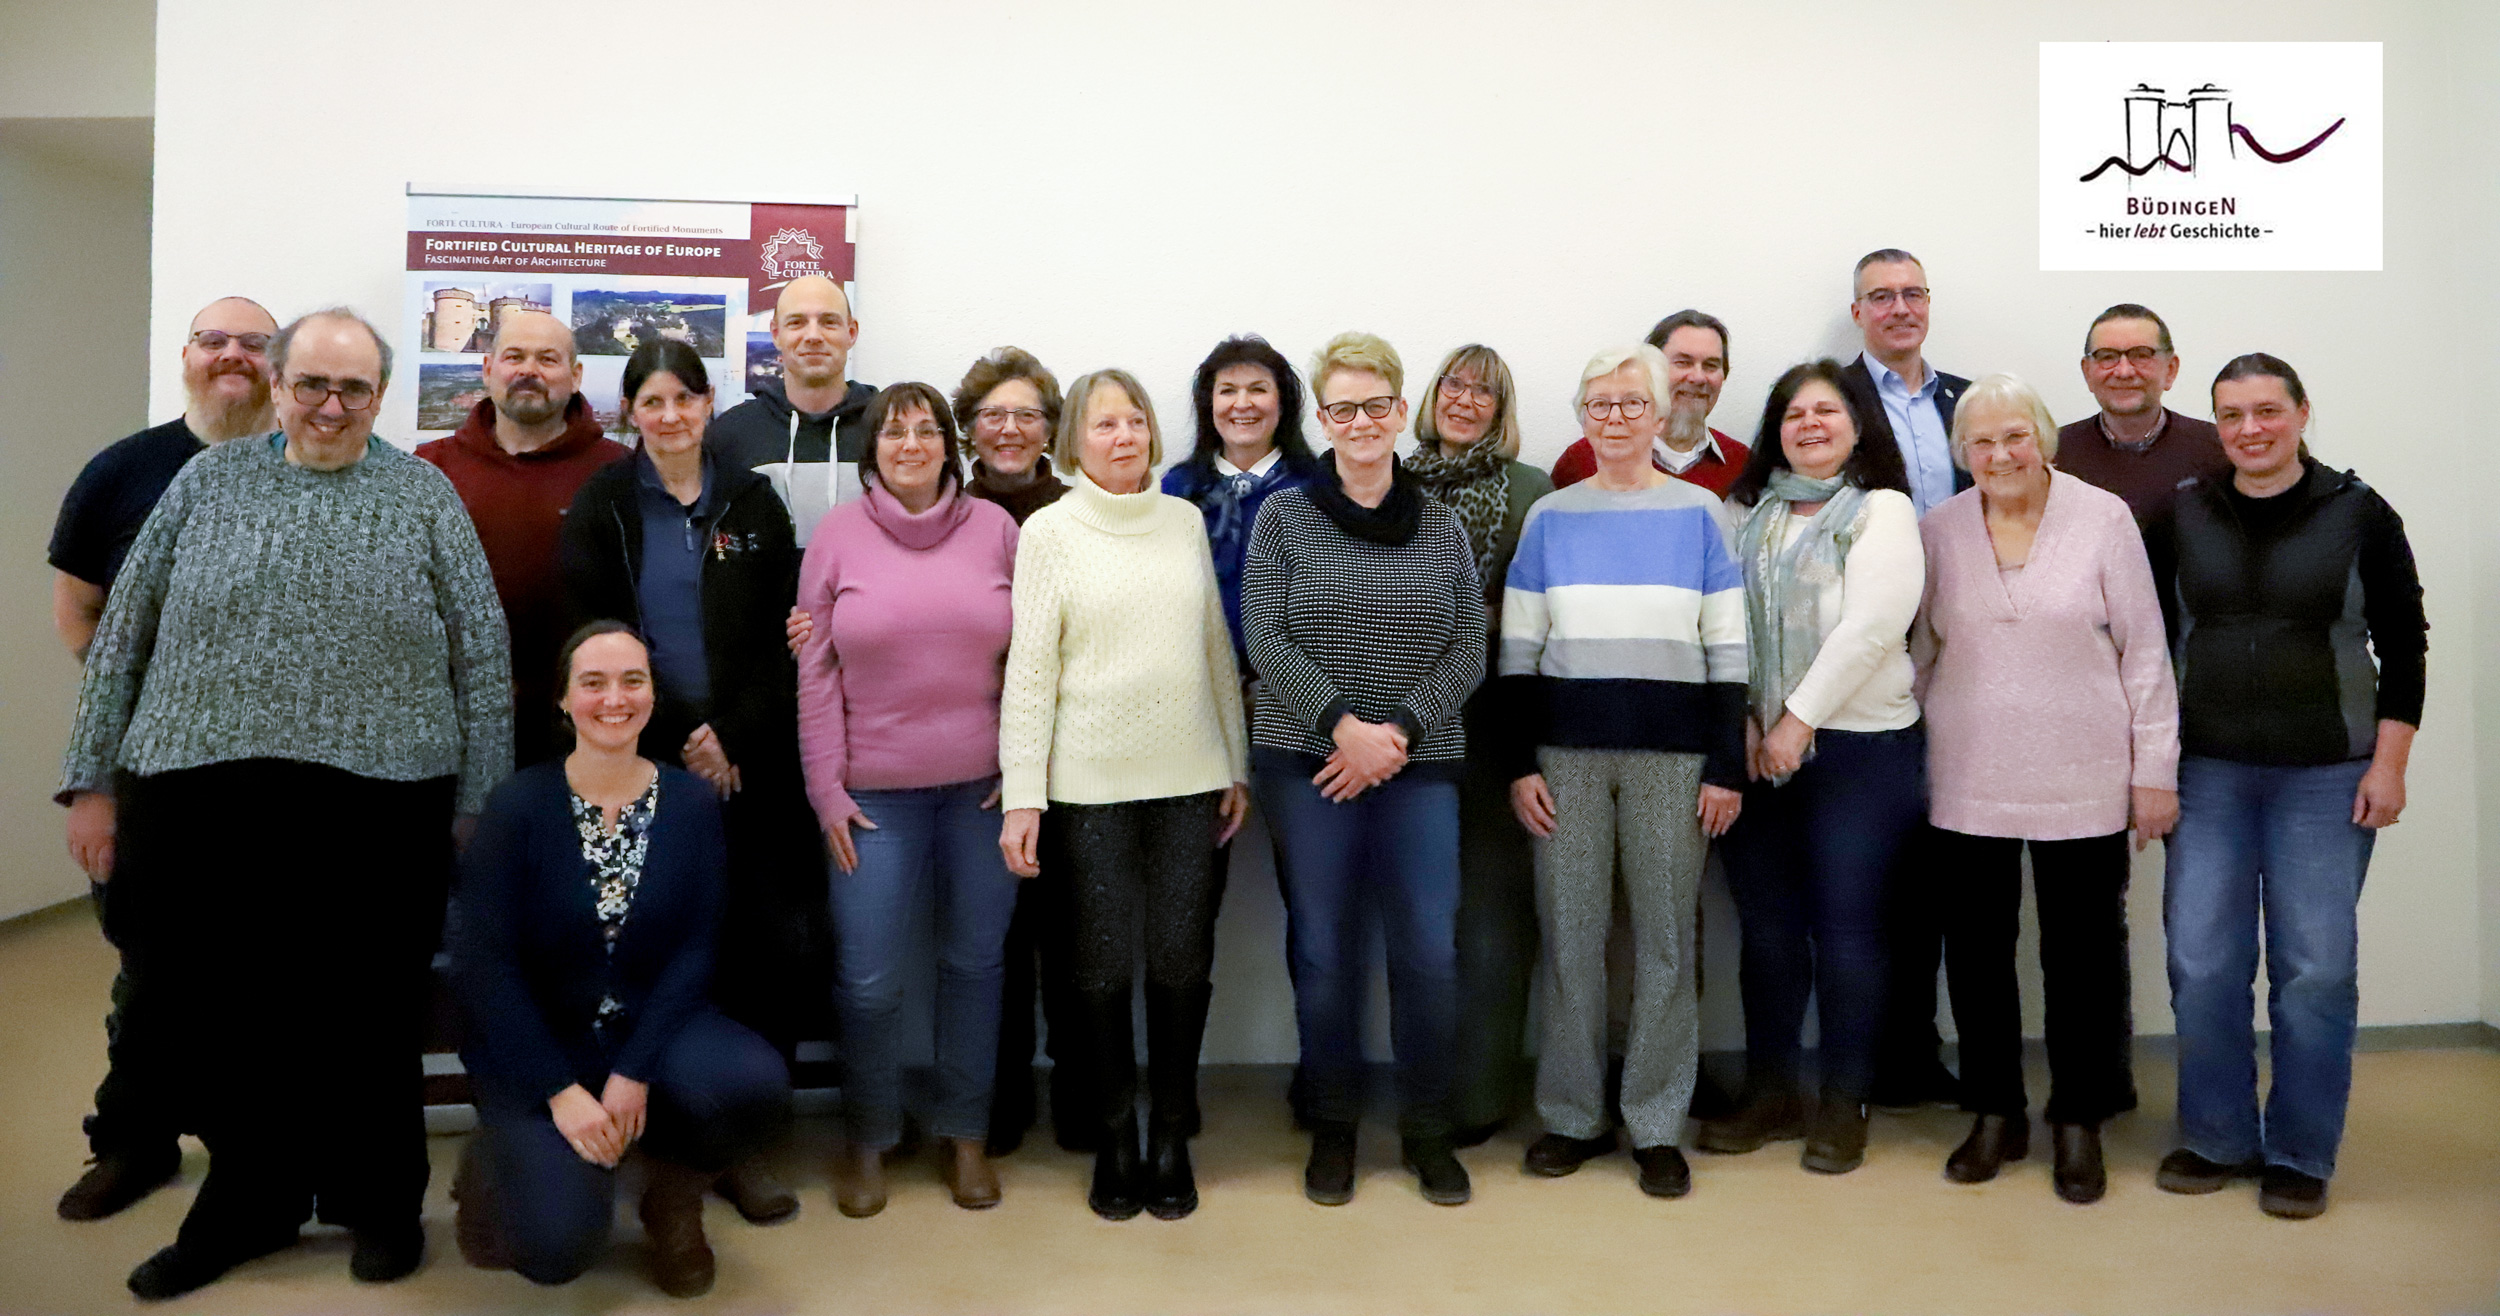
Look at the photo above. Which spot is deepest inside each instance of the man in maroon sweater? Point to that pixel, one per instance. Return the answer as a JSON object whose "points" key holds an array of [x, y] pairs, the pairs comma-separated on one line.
{"points": [[517, 462], [1695, 343], [2134, 446]]}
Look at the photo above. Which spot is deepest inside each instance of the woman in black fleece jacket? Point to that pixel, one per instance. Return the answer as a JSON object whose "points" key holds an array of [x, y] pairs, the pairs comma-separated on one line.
{"points": [[699, 555], [2299, 640]]}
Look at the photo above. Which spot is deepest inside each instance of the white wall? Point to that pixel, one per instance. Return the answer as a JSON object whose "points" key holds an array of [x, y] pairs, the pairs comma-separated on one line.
{"points": [[1125, 183]]}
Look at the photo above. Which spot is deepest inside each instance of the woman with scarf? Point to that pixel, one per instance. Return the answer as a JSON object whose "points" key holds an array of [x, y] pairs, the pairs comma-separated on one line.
{"points": [[1366, 620], [1467, 457], [1829, 545], [1249, 407]]}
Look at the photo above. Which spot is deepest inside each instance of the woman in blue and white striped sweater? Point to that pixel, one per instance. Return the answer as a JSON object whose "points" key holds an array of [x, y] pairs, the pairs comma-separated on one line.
{"points": [[1623, 647]]}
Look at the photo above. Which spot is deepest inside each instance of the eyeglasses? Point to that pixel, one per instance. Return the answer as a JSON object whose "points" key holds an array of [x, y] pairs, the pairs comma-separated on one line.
{"points": [[1342, 413], [2107, 357], [1454, 388], [924, 433], [1002, 416], [1628, 408], [315, 391], [213, 341], [1883, 299]]}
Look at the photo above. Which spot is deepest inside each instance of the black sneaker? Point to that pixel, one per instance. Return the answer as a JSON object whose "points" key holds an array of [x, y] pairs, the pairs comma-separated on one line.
{"points": [[114, 1180], [2184, 1171], [1329, 1178], [389, 1253], [176, 1269], [1556, 1155], [2286, 1192], [1437, 1171], [1663, 1171]]}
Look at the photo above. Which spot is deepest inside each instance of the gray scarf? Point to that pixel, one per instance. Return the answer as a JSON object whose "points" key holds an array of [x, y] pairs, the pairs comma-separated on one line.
{"points": [[1784, 629]]}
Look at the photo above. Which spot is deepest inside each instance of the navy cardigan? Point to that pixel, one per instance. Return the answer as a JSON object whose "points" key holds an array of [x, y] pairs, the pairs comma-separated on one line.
{"points": [[528, 959]]}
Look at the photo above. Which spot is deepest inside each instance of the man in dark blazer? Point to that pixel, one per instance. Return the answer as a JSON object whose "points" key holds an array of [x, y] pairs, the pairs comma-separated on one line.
{"points": [[1889, 303]]}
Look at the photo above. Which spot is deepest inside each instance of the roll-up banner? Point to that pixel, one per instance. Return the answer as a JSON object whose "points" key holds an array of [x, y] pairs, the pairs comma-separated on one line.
{"points": [[617, 270]]}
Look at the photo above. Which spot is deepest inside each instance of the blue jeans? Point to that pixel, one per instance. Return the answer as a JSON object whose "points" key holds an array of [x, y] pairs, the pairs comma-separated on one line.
{"points": [[1812, 865], [934, 855], [718, 1093], [2275, 846], [1394, 848]]}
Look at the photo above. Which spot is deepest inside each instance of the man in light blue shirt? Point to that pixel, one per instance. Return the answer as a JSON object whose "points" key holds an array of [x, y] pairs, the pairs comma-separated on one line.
{"points": [[1889, 301]]}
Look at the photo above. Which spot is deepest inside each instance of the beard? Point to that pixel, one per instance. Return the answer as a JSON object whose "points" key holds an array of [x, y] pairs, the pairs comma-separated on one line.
{"points": [[231, 415], [531, 406], [1688, 423]]}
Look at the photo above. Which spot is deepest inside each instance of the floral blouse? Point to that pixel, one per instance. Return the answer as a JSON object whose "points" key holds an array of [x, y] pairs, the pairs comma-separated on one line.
{"points": [[615, 859]]}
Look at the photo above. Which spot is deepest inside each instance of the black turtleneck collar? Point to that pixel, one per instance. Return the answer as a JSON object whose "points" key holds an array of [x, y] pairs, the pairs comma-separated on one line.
{"points": [[1392, 523]]}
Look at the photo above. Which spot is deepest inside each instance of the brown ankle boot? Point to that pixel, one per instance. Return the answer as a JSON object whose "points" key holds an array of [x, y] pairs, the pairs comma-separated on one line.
{"points": [[475, 1222], [969, 1175], [672, 1223], [859, 1180]]}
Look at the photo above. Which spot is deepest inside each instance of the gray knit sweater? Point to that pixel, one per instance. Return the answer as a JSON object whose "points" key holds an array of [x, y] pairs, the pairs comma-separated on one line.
{"points": [[269, 611]]}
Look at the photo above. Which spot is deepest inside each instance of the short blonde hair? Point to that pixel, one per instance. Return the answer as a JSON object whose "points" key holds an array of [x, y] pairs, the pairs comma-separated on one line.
{"points": [[1356, 350], [1067, 446], [1486, 365], [1653, 364], [2002, 394]]}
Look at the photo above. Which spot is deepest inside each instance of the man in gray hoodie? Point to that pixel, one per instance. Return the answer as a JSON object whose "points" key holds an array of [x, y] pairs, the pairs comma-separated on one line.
{"points": [[805, 432]]}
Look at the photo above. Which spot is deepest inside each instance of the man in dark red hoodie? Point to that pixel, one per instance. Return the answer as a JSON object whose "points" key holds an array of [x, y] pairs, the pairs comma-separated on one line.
{"points": [[517, 462]]}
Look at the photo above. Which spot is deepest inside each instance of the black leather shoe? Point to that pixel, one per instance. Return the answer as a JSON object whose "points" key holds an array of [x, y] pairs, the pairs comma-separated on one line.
{"points": [[389, 1253], [1556, 1155], [1993, 1140], [177, 1269], [2291, 1195], [1775, 1117], [1477, 1135], [1663, 1171], [1443, 1180], [1171, 1186], [114, 1180], [2184, 1171], [1118, 1190], [1329, 1178], [2081, 1176], [1838, 1143]]}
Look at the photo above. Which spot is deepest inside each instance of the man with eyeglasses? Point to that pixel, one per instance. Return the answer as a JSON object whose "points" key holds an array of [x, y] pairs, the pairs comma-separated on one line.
{"points": [[1889, 303], [517, 461], [807, 430], [2134, 446], [1695, 344], [133, 1135]]}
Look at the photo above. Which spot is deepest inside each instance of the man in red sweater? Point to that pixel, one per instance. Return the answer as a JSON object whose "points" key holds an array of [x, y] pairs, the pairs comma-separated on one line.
{"points": [[517, 462], [1695, 343]]}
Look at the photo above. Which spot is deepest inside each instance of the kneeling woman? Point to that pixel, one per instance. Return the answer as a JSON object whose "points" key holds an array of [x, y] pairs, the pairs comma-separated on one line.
{"points": [[589, 902]]}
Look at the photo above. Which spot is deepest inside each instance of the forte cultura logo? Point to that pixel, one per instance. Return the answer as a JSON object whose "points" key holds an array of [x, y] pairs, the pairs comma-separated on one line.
{"points": [[2175, 134], [2219, 155]]}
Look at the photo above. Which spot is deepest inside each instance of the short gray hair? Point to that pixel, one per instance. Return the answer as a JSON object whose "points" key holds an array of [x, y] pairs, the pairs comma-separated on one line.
{"points": [[1653, 364], [284, 343], [1882, 256], [2002, 393]]}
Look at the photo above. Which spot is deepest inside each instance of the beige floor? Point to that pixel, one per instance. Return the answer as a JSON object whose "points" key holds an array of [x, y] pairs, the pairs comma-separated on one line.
{"points": [[2415, 1225]]}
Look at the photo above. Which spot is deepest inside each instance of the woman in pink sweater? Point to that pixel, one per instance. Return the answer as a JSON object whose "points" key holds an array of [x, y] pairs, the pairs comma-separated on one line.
{"points": [[2052, 723], [909, 589]]}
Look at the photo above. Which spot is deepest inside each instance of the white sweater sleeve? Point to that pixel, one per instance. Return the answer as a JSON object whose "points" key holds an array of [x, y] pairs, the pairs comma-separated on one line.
{"points": [[1028, 705], [1880, 587]]}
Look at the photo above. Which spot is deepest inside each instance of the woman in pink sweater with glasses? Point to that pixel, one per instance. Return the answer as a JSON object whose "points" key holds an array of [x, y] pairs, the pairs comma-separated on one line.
{"points": [[2052, 724], [909, 590]]}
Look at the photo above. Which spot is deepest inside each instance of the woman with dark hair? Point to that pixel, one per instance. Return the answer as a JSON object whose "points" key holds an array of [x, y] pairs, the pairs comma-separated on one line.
{"points": [[700, 556], [1467, 457], [1829, 545], [1248, 403], [898, 731], [2285, 582], [590, 902]]}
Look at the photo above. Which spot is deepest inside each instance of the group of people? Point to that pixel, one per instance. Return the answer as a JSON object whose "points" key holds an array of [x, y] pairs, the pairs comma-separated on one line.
{"points": [[789, 684]]}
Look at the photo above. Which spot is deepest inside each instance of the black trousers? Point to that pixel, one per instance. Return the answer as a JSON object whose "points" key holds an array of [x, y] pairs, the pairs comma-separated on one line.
{"points": [[2081, 890], [1908, 1048], [1041, 950], [1142, 878], [1498, 938], [135, 1110], [294, 909]]}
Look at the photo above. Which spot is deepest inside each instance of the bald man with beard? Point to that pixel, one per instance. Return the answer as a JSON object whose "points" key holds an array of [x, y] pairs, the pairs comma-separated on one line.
{"points": [[134, 1134], [806, 432]]}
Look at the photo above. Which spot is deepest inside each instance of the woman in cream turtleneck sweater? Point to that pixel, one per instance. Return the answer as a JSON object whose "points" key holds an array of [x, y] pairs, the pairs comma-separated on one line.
{"points": [[1122, 760]]}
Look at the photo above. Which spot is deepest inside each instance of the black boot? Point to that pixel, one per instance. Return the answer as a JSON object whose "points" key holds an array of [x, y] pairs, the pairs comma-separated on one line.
{"points": [[1119, 1183], [1176, 1024]]}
